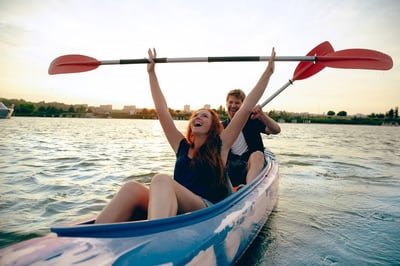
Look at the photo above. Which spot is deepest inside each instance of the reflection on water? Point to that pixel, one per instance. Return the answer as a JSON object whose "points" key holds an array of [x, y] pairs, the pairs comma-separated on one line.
{"points": [[338, 200]]}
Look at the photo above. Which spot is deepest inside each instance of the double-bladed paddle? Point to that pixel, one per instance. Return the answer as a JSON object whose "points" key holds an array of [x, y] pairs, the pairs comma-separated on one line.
{"points": [[317, 59], [350, 58]]}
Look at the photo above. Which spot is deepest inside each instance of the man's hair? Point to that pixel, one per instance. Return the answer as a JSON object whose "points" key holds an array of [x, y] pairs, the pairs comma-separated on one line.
{"points": [[238, 93]]}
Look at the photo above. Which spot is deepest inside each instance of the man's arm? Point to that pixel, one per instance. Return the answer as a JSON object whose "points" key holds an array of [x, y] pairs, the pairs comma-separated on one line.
{"points": [[271, 126]]}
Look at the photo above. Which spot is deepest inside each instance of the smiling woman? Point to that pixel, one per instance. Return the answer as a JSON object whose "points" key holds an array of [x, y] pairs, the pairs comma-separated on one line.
{"points": [[199, 179]]}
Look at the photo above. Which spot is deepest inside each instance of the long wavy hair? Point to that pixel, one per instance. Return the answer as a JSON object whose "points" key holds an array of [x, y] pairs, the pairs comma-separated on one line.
{"points": [[210, 152]]}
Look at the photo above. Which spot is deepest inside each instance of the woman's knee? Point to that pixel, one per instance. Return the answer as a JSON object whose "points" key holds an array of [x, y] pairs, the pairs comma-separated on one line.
{"points": [[131, 187], [134, 189], [161, 180]]}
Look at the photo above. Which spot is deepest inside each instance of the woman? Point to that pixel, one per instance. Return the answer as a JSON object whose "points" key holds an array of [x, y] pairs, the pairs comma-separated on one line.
{"points": [[199, 174]]}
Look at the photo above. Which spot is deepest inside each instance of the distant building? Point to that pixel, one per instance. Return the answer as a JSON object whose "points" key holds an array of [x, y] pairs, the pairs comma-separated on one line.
{"points": [[104, 109], [207, 106], [358, 115], [131, 109], [186, 108]]}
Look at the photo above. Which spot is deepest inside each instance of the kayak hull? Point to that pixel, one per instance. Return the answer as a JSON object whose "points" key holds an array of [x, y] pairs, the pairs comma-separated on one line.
{"points": [[217, 235]]}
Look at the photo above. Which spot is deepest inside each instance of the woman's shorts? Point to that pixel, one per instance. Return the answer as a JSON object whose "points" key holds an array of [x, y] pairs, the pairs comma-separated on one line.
{"points": [[207, 202]]}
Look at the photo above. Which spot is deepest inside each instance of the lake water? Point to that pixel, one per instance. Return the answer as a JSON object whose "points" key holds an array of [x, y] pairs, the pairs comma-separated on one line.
{"points": [[339, 197]]}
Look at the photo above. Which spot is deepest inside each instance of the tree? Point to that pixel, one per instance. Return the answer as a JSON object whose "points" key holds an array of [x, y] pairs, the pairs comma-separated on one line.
{"points": [[221, 110], [331, 113], [342, 113], [272, 114], [81, 109], [42, 110], [26, 108], [390, 114], [52, 110]]}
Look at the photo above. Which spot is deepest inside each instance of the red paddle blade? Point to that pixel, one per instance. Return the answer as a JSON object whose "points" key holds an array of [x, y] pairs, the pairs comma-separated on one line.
{"points": [[307, 69], [358, 59], [73, 63]]}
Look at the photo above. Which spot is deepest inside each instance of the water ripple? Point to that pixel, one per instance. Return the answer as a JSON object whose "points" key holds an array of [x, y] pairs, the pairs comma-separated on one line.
{"points": [[338, 198]]}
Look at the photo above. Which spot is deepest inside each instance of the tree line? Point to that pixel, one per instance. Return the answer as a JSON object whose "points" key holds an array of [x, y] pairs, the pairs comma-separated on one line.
{"points": [[55, 109]]}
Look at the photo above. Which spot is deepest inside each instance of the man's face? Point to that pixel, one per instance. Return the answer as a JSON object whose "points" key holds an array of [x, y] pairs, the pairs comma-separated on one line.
{"points": [[232, 105]]}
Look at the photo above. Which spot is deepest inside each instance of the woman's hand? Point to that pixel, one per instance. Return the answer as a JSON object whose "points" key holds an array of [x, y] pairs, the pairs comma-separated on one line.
{"points": [[257, 112], [271, 62], [152, 54]]}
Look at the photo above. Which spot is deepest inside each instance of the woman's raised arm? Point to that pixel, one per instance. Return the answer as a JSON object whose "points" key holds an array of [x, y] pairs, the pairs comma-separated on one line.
{"points": [[174, 136], [232, 131]]}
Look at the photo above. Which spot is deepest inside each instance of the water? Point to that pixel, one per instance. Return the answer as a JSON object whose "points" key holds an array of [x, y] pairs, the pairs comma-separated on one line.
{"points": [[339, 198]]}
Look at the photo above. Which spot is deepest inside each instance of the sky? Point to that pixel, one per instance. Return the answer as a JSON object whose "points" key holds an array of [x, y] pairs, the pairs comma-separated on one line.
{"points": [[34, 32]]}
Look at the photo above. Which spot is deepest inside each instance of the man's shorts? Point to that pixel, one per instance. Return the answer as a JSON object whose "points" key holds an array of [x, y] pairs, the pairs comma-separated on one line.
{"points": [[237, 171]]}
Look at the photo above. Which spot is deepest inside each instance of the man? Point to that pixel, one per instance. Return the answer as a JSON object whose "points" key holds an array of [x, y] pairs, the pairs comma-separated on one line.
{"points": [[246, 157]]}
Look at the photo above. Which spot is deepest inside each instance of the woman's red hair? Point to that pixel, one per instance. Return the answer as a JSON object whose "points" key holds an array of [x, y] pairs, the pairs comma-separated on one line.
{"points": [[210, 152]]}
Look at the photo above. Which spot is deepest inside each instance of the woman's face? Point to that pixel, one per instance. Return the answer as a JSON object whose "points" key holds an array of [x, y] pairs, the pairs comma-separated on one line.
{"points": [[201, 121]]}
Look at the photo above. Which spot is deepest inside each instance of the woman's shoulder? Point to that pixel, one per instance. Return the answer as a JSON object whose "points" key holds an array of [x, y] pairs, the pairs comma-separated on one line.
{"points": [[183, 147]]}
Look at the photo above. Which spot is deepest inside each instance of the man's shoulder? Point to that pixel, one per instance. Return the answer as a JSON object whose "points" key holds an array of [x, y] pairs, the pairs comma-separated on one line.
{"points": [[254, 122], [249, 123], [254, 125]]}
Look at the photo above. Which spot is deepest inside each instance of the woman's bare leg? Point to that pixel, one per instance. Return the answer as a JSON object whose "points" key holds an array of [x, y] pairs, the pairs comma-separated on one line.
{"points": [[255, 164], [167, 197], [131, 196], [163, 202]]}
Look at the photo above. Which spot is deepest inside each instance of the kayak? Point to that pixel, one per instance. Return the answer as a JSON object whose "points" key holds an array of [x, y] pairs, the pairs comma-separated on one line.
{"points": [[217, 235]]}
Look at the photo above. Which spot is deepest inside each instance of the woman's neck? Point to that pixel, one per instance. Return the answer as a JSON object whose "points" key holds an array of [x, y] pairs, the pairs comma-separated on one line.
{"points": [[198, 142]]}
